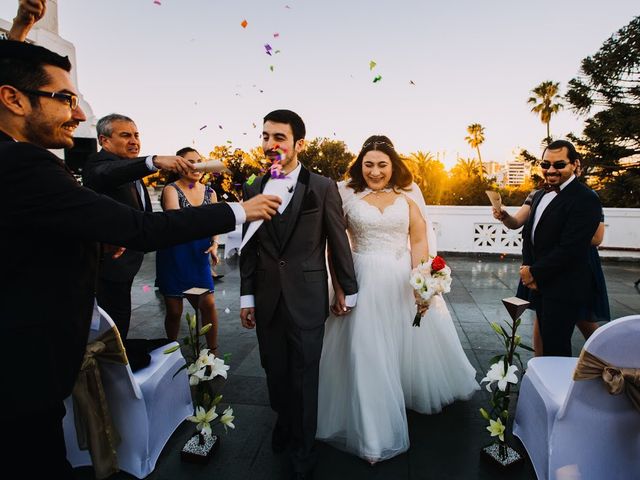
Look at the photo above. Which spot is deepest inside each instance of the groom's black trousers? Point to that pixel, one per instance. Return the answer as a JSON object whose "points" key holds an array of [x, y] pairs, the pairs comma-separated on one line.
{"points": [[291, 359]]}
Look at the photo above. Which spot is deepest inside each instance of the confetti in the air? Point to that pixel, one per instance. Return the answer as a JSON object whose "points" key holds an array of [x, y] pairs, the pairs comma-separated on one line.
{"points": [[244, 24], [229, 142], [277, 52], [203, 127], [267, 48], [227, 310], [276, 35], [271, 67], [251, 179], [220, 127], [411, 82], [377, 79], [146, 288], [372, 65], [157, 2], [254, 125]]}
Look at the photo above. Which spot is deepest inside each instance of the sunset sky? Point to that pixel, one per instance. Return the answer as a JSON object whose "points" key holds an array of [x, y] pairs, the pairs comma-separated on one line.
{"points": [[184, 64]]}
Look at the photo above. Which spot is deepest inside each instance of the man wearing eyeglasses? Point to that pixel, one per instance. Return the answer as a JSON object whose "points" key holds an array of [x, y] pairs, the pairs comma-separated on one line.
{"points": [[117, 171], [555, 246], [50, 228]]}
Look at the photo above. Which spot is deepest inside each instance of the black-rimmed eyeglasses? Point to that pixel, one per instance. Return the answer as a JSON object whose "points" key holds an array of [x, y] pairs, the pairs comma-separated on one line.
{"points": [[559, 165], [70, 98]]}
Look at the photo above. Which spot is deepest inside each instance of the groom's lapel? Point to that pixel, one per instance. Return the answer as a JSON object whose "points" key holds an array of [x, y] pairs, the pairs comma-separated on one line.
{"points": [[268, 224], [295, 205]]}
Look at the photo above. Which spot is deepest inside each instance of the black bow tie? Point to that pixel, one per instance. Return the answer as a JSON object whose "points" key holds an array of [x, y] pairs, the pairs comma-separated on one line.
{"points": [[551, 188]]}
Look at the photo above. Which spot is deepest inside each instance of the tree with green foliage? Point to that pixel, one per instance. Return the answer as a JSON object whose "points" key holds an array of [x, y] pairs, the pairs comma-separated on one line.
{"points": [[545, 104], [609, 84], [327, 157], [475, 139]]}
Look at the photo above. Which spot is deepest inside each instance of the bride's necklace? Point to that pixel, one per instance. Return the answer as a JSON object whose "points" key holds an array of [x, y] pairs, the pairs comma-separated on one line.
{"points": [[382, 190]]}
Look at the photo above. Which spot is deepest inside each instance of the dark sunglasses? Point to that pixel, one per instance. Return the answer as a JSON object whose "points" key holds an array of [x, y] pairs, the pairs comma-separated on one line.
{"points": [[559, 165]]}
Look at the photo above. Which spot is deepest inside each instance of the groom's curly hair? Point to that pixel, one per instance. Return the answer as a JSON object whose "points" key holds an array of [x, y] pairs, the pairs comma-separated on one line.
{"points": [[401, 176]]}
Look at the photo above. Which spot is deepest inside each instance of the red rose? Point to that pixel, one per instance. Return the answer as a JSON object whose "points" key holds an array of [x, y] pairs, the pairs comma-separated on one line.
{"points": [[437, 264]]}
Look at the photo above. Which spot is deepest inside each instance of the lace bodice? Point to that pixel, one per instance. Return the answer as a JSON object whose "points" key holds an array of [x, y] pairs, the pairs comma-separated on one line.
{"points": [[375, 232]]}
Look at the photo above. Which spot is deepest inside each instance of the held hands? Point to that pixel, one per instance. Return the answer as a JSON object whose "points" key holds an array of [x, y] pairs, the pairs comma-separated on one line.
{"points": [[420, 304], [261, 207], [248, 318], [339, 307], [173, 163]]}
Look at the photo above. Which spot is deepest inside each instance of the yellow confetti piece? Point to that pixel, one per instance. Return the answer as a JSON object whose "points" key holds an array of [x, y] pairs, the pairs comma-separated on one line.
{"points": [[372, 65]]}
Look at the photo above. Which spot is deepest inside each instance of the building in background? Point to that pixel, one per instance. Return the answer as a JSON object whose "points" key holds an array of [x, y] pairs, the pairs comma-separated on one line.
{"points": [[45, 33]]}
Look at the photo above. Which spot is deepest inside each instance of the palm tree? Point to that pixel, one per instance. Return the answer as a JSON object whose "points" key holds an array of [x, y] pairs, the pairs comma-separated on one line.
{"points": [[543, 103], [475, 139], [467, 168]]}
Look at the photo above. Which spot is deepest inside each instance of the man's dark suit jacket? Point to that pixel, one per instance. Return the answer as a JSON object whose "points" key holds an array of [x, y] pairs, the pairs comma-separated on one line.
{"points": [[113, 176], [295, 267], [49, 234], [558, 257]]}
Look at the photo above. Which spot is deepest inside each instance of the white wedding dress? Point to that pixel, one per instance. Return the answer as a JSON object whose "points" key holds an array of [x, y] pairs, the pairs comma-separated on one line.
{"points": [[374, 364]]}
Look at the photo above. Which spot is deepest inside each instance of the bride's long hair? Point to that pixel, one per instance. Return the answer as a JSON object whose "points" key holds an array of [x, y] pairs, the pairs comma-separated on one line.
{"points": [[401, 176]]}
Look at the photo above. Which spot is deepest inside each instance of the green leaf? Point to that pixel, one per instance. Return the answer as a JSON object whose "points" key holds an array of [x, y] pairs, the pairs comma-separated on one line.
{"points": [[497, 328], [526, 347], [172, 349], [226, 357], [518, 322], [495, 359]]}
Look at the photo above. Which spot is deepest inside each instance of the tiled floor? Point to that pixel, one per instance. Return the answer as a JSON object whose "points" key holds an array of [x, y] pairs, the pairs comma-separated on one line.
{"points": [[443, 446]]}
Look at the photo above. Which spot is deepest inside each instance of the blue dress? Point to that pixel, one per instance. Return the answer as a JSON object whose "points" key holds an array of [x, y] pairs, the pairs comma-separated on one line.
{"points": [[184, 266]]}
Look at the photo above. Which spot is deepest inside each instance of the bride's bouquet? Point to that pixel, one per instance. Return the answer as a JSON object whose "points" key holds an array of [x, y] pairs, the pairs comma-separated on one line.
{"points": [[429, 278]]}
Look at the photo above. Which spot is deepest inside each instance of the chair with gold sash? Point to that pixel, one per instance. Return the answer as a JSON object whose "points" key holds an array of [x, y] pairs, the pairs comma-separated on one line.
{"points": [[139, 412], [581, 416]]}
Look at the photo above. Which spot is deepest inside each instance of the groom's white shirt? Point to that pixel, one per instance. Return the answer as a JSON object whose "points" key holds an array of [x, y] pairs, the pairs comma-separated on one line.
{"points": [[283, 188]]}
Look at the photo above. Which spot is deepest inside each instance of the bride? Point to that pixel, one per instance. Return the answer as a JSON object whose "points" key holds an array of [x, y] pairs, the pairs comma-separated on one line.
{"points": [[374, 364]]}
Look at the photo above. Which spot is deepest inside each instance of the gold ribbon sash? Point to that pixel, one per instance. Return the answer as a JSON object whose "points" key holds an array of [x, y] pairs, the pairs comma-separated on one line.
{"points": [[94, 426], [616, 379]]}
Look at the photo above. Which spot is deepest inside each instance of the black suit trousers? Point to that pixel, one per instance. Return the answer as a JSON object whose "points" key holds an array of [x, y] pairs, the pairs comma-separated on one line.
{"points": [[291, 359], [557, 319], [115, 299]]}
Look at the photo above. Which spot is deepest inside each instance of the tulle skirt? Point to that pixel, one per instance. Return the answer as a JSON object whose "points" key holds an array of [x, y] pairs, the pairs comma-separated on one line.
{"points": [[374, 364]]}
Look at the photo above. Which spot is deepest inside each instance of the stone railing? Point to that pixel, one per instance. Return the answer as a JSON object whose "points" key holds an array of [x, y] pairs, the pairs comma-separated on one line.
{"points": [[473, 229]]}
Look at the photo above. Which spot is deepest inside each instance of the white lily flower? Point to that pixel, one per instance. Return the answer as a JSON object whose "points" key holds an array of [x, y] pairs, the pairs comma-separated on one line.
{"points": [[219, 368], [205, 358], [496, 373], [227, 418], [496, 428], [203, 419]]}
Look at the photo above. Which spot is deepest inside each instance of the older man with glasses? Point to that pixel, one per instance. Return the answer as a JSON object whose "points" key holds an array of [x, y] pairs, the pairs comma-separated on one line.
{"points": [[556, 240]]}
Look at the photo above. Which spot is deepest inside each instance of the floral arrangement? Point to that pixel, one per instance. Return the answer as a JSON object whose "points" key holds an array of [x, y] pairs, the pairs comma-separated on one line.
{"points": [[501, 377], [203, 367], [429, 278]]}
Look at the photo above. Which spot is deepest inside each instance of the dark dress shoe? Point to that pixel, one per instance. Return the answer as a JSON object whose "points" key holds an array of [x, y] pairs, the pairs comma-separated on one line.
{"points": [[279, 439]]}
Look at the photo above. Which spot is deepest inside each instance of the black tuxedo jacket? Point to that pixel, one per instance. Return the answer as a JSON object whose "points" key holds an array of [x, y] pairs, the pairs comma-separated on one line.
{"points": [[293, 264], [113, 176], [49, 234], [558, 256]]}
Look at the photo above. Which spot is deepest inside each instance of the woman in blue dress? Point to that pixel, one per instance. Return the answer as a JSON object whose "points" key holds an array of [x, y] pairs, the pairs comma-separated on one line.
{"points": [[185, 266]]}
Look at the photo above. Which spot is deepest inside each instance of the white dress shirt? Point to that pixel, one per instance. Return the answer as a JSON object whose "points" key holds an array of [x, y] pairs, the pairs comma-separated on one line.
{"points": [[544, 203]]}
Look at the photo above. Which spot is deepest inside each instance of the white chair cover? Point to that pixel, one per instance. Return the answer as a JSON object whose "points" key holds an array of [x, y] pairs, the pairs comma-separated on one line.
{"points": [[147, 406], [578, 426]]}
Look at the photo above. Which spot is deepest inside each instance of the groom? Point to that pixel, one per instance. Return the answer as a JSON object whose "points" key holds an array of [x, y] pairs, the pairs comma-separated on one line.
{"points": [[284, 291]]}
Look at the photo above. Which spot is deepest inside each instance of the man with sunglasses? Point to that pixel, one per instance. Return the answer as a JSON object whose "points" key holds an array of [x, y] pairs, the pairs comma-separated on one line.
{"points": [[50, 229], [117, 171], [556, 239]]}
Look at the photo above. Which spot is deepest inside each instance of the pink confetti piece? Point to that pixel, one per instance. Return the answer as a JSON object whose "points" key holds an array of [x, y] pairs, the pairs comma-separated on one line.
{"points": [[157, 2], [276, 35], [146, 288], [244, 24], [220, 127], [203, 127]]}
